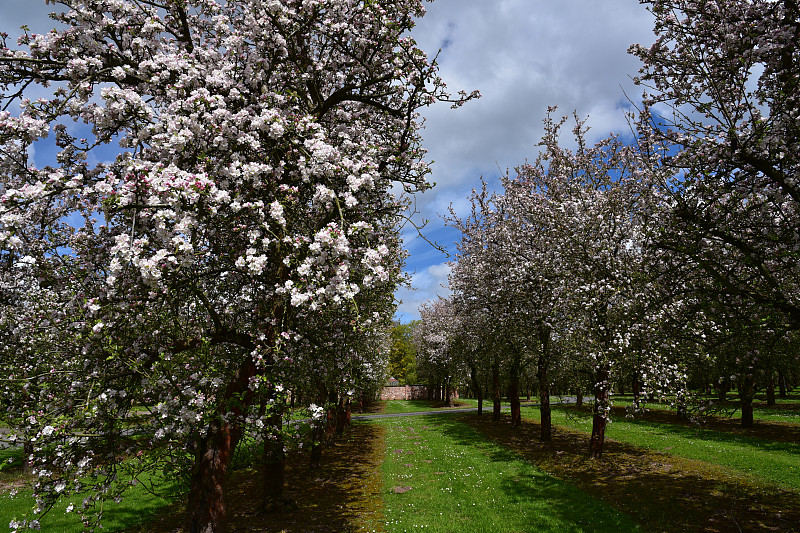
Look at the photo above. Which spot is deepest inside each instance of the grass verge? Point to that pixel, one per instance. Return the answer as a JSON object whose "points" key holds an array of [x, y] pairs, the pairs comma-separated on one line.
{"points": [[785, 410]]}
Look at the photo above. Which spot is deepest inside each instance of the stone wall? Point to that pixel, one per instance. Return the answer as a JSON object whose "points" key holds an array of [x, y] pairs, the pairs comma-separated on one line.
{"points": [[406, 392]]}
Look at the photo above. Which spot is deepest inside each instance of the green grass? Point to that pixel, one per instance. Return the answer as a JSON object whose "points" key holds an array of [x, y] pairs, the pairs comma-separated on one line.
{"points": [[764, 460], [440, 475], [138, 506], [10, 460], [769, 414], [415, 406], [786, 410]]}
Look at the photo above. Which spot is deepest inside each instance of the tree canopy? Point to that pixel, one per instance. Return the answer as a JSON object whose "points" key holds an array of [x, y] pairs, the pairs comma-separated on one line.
{"points": [[257, 144]]}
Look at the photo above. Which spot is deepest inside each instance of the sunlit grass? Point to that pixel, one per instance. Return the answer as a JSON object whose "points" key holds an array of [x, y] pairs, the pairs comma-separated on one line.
{"points": [[138, 506], [774, 462], [415, 406], [786, 410], [442, 476], [769, 414]]}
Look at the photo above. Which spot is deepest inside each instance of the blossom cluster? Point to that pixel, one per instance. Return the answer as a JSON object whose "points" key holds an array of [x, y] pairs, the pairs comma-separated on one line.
{"points": [[241, 239]]}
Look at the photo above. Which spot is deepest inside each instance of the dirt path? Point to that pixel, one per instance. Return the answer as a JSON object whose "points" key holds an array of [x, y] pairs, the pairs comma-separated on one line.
{"points": [[342, 496]]}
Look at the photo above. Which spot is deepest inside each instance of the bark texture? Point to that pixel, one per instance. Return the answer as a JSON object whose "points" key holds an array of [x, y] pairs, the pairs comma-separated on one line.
{"points": [[513, 394], [496, 390], [207, 496], [274, 466], [207, 505], [544, 384], [746, 393], [599, 420], [473, 374]]}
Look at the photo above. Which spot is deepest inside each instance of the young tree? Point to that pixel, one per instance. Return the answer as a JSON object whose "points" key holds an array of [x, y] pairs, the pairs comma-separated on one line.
{"points": [[403, 355], [527, 238], [589, 211], [479, 304], [433, 339], [505, 268], [258, 142]]}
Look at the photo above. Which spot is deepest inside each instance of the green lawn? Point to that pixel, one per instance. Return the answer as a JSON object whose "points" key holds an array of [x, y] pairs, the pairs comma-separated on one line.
{"points": [[442, 476], [774, 462], [415, 406], [137, 506], [785, 410], [769, 414]]}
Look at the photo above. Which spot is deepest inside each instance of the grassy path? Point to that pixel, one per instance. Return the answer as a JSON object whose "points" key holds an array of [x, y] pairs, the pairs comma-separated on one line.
{"points": [[462, 473]]}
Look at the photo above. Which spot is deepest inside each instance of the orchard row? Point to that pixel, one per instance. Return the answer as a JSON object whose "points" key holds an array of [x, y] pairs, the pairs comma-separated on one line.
{"points": [[667, 260], [227, 229]]}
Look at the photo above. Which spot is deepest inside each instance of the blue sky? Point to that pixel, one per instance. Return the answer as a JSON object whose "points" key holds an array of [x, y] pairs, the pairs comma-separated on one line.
{"points": [[523, 55]]}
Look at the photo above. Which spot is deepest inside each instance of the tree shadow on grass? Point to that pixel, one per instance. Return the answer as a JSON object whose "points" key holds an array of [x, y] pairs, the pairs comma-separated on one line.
{"points": [[550, 503], [343, 495], [715, 435], [563, 503], [661, 492], [762, 429]]}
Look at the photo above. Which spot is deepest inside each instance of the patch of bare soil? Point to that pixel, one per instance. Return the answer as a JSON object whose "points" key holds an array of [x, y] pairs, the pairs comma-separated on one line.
{"points": [[343, 495], [661, 492], [14, 480]]}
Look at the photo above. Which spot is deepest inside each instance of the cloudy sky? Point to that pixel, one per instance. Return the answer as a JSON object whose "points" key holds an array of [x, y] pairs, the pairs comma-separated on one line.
{"points": [[523, 56]]}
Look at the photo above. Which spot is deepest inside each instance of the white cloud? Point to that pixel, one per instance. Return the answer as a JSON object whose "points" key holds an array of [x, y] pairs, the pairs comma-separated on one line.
{"points": [[426, 285], [523, 56]]}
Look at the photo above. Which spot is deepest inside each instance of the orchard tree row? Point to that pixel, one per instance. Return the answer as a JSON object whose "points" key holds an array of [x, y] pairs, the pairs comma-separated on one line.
{"points": [[666, 261], [237, 240]]}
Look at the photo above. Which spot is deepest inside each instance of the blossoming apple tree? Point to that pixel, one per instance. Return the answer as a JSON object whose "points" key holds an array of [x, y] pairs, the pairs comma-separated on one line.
{"points": [[479, 296], [253, 145], [723, 78], [434, 341], [595, 203], [572, 261], [492, 279]]}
